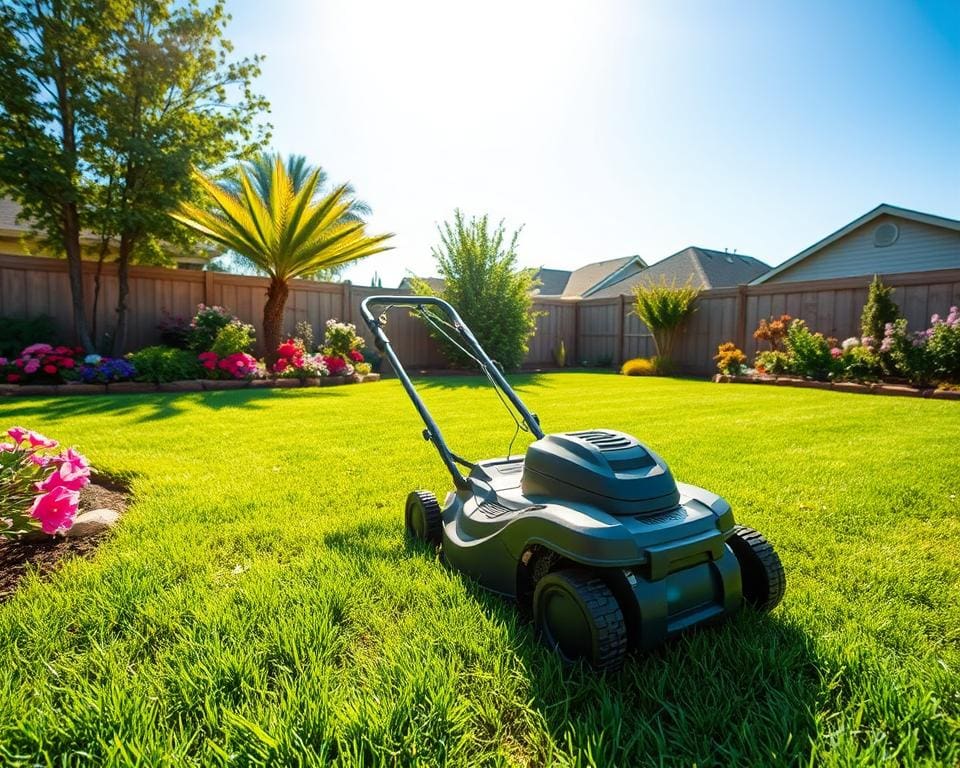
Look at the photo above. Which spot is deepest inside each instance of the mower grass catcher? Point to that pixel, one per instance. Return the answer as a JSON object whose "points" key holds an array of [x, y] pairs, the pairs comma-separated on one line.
{"points": [[588, 531]]}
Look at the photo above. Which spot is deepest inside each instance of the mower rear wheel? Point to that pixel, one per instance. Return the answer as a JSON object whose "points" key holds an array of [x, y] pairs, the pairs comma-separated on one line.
{"points": [[578, 616], [764, 580], [423, 519]]}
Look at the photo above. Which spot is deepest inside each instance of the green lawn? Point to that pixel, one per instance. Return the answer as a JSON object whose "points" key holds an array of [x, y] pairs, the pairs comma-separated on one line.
{"points": [[258, 603]]}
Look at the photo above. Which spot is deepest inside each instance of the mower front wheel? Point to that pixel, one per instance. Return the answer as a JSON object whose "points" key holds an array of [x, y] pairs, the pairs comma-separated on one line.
{"points": [[761, 571], [578, 616], [423, 519]]}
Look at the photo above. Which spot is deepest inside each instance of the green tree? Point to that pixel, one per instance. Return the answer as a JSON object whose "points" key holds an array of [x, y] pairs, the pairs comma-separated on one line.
{"points": [[52, 55], [664, 308], [879, 310], [284, 231], [104, 107], [171, 101], [483, 283]]}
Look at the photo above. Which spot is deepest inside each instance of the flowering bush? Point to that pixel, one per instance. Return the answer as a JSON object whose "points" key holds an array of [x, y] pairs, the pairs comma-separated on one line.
{"points": [[174, 331], [773, 331], [294, 362], [362, 369], [40, 363], [235, 336], [337, 366], [38, 487], [730, 360], [205, 326], [102, 370], [341, 339], [943, 346], [238, 365]]}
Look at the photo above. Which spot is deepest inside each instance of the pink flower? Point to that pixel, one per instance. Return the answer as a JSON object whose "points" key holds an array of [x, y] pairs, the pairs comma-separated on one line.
{"points": [[68, 475], [8, 447], [19, 434], [39, 441], [37, 349], [836, 352], [39, 459], [56, 509]]}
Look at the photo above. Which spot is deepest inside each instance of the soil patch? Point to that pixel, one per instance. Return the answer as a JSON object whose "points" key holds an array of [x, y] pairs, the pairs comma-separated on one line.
{"points": [[44, 553]]}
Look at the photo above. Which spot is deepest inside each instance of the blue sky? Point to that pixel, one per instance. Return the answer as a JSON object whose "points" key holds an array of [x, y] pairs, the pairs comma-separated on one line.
{"points": [[615, 127]]}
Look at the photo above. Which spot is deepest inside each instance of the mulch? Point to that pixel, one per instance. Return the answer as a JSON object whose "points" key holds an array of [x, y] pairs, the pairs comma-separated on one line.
{"points": [[44, 554]]}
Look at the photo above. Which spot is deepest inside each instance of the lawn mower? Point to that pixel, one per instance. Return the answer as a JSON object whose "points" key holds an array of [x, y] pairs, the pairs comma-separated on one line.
{"points": [[588, 530]]}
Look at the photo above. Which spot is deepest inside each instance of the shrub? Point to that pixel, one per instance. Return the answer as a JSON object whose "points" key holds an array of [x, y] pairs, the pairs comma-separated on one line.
{"points": [[304, 332], [341, 339], [38, 487], [17, 333], [809, 353], [664, 308], [908, 352], [730, 360], [362, 368], [162, 364], [41, 363], [943, 346], [205, 326], [294, 362], [234, 338], [879, 311], [772, 361], [102, 370], [773, 331], [560, 354], [174, 331], [487, 288], [236, 365], [860, 363], [639, 366], [373, 357]]}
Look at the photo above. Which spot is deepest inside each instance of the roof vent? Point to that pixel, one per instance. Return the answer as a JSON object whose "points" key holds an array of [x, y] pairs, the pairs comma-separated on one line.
{"points": [[886, 234]]}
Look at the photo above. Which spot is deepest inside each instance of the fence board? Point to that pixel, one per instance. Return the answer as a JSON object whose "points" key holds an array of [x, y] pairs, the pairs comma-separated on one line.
{"points": [[592, 330]]}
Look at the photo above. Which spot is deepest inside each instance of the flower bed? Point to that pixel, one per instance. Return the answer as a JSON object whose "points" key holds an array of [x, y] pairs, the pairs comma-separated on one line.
{"points": [[212, 352], [875, 388]]}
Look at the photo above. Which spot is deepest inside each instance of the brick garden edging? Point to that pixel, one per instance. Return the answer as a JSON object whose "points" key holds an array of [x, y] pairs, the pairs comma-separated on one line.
{"points": [[900, 390], [191, 385]]}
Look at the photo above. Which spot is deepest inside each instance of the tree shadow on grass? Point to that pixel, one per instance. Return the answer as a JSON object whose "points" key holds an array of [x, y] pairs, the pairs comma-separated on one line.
{"points": [[479, 381], [152, 407], [741, 692]]}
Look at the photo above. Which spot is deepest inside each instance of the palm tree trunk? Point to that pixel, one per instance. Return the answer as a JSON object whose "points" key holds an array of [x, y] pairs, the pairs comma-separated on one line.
{"points": [[273, 318]]}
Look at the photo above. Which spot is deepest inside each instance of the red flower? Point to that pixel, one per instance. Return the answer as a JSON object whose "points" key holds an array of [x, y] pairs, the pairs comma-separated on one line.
{"points": [[287, 349], [13, 378], [356, 356], [51, 369], [67, 362]]}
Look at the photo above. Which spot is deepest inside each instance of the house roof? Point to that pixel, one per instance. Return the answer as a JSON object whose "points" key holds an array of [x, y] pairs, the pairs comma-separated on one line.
{"points": [[880, 210], [552, 281], [701, 267], [435, 283], [9, 210]]}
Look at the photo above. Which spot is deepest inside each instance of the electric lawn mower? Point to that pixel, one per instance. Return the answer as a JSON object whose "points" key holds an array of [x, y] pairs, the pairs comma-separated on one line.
{"points": [[588, 531]]}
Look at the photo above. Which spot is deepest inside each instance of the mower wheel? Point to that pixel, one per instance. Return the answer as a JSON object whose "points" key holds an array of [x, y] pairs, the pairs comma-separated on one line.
{"points": [[423, 520], [764, 580], [578, 616]]}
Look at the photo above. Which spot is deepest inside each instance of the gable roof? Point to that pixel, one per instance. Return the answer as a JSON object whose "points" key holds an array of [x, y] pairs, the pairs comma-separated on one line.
{"points": [[552, 281], [880, 210], [435, 283], [701, 267]]}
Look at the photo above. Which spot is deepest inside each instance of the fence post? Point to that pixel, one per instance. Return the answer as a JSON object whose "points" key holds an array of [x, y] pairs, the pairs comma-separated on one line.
{"points": [[575, 352], [347, 290], [740, 329], [208, 287], [621, 331]]}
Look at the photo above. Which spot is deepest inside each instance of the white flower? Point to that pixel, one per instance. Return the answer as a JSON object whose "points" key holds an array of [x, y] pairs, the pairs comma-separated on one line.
{"points": [[850, 343]]}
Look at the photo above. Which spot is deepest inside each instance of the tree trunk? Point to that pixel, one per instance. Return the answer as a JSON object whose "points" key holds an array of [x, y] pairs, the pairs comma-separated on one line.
{"points": [[71, 243], [123, 290], [273, 318]]}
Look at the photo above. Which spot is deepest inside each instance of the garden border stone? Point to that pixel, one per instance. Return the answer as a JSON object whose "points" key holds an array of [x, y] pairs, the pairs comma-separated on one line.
{"points": [[188, 385], [885, 388]]}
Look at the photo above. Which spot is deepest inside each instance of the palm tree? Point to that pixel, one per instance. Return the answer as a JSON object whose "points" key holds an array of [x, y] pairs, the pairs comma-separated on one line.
{"points": [[282, 225]]}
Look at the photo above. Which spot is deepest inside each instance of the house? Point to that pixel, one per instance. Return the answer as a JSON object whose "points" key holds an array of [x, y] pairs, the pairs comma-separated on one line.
{"points": [[886, 240], [699, 267], [436, 283], [587, 280], [17, 238]]}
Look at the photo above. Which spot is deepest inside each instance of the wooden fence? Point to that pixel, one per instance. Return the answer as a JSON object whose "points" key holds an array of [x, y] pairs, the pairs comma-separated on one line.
{"points": [[596, 331]]}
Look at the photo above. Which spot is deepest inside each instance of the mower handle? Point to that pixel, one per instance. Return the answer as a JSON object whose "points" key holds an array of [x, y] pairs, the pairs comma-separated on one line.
{"points": [[432, 431]]}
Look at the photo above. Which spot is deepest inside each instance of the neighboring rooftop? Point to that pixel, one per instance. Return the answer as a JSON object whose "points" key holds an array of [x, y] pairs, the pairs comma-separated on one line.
{"points": [[435, 283], [552, 281], [588, 279], [700, 267]]}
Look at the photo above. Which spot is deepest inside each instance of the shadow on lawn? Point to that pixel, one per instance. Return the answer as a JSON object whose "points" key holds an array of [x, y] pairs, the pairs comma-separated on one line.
{"points": [[151, 407], [743, 691], [479, 381]]}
